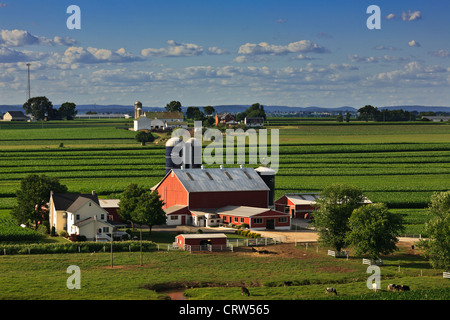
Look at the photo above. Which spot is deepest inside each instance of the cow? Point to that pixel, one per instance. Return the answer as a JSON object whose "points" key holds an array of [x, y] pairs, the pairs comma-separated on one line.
{"points": [[404, 288], [391, 287], [331, 290], [244, 290]]}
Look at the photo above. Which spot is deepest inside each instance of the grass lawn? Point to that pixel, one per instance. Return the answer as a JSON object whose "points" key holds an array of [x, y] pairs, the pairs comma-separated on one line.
{"points": [[213, 276]]}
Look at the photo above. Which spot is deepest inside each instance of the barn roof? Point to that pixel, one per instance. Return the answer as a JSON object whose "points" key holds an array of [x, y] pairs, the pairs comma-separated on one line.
{"points": [[307, 198], [244, 211], [203, 235], [226, 179]]}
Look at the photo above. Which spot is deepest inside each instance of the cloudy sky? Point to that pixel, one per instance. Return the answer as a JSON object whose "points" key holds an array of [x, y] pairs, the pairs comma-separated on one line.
{"points": [[296, 53]]}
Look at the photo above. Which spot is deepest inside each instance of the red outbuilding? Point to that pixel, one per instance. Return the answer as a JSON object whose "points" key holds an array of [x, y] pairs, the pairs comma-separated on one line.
{"points": [[202, 242]]}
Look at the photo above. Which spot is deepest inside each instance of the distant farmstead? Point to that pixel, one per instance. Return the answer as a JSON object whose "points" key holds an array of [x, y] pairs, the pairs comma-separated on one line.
{"points": [[14, 116]]}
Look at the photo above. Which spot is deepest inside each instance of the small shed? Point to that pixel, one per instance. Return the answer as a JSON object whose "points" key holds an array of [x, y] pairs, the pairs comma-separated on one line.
{"points": [[202, 242]]}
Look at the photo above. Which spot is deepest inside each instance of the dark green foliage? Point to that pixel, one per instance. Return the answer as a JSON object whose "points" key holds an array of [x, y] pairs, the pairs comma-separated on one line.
{"points": [[374, 230]]}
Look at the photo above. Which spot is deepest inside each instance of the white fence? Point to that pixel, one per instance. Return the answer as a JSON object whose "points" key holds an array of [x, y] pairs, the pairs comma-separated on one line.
{"points": [[339, 254], [254, 242], [446, 275], [370, 262]]}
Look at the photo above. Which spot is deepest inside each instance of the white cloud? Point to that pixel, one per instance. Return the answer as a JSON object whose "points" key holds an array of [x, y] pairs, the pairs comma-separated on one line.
{"points": [[217, 51], [174, 49], [411, 16], [93, 55], [439, 53], [390, 16], [385, 58], [265, 48], [414, 43], [8, 55], [20, 38]]}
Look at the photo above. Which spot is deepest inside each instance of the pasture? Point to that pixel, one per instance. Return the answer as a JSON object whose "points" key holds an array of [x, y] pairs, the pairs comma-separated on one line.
{"points": [[400, 164]]}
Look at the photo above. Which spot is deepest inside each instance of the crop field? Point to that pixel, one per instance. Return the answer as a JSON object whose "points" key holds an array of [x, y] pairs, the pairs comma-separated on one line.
{"points": [[400, 164]]}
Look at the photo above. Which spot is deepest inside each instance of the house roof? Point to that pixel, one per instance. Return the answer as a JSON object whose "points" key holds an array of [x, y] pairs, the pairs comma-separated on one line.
{"points": [[106, 222], [174, 208], [216, 180], [63, 201], [109, 203], [78, 203], [16, 113]]}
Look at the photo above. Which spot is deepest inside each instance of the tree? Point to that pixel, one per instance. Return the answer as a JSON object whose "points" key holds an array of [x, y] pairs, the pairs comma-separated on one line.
{"points": [[374, 230], [368, 112], [67, 110], [128, 200], [209, 110], [173, 106], [148, 210], [32, 198], [194, 113], [254, 111], [334, 208], [40, 107], [437, 245], [144, 137]]}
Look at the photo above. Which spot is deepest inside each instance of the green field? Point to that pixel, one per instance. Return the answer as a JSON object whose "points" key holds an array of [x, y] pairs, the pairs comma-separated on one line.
{"points": [[214, 276], [400, 164]]}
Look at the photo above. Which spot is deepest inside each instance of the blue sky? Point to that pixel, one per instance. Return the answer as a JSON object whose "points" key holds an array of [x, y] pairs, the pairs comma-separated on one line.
{"points": [[294, 53]]}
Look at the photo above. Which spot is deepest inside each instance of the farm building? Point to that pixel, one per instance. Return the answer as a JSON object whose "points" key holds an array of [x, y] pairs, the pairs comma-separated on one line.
{"points": [[300, 205], [200, 242], [255, 218], [14, 116], [297, 205], [81, 214], [254, 122]]}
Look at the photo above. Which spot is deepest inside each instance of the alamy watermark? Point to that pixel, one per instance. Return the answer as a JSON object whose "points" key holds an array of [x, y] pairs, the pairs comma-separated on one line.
{"points": [[74, 281], [214, 153]]}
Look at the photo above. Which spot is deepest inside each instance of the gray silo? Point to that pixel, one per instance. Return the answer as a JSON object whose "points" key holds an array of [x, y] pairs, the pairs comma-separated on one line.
{"points": [[268, 176], [193, 154], [171, 153]]}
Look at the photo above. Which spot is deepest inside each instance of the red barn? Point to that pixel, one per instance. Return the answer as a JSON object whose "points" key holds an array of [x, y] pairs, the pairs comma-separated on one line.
{"points": [[297, 205], [204, 241], [213, 188], [201, 197], [255, 218]]}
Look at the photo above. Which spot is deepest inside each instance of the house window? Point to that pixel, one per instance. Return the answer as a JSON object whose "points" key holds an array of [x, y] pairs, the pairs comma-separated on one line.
{"points": [[102, 217], [282, 220], [286, 209], [242, 220], [173, 217], [236, 219], [257, 220], [77, 217]]}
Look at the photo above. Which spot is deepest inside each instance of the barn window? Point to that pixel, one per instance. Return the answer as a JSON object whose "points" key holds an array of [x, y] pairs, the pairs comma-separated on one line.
{"points": [[236, 219], [242, 220], [257, 220], [282, 220], [173, 217]]}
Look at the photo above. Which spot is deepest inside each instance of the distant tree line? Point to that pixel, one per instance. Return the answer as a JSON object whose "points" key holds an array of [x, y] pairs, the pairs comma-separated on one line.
{"points": [[41, 108], [369, 112]]}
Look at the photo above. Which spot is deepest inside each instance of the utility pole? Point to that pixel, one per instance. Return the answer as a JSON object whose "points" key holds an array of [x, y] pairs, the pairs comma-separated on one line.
{"points": [[29, 87]]}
